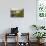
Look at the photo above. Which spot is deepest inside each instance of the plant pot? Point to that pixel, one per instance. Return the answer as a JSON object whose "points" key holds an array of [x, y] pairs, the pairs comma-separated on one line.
{"points": [[40, 41]]}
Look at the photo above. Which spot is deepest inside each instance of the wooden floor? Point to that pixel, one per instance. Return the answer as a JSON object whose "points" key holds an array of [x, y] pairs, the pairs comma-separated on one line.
{"points": [[13, 44]]}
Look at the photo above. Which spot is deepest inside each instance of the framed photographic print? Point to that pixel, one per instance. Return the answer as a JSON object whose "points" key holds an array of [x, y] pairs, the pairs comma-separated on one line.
{"points": [[17, 13]]}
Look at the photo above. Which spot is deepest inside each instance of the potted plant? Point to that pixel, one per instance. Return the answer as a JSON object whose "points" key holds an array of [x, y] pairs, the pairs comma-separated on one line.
{"points": [[39, 35]]}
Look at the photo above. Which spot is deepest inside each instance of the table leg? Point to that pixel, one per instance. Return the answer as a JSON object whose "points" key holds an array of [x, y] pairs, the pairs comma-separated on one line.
{"points": [[5, 40]]}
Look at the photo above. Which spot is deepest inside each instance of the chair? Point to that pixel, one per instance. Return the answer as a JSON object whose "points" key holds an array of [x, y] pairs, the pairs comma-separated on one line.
{"points": [[26, 41], [8, 36], [14, 32]]}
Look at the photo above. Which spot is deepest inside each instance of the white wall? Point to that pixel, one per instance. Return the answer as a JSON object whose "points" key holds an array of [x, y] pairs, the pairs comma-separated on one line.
{"points": [[24, 23]]}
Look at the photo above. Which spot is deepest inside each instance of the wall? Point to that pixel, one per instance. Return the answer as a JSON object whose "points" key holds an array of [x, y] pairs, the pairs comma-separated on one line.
{"points": [[24, 23]]}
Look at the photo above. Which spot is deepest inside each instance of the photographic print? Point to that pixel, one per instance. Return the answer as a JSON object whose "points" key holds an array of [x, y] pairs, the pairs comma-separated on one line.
{"points": [[17, 13]]}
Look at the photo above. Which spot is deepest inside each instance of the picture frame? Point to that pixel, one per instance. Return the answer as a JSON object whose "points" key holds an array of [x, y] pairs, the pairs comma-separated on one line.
{"points": [[17, 13]]}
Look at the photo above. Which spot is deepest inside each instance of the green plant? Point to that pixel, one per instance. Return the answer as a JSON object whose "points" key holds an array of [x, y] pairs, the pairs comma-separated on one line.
{"points": [[39, 35], [42, 27], [35, 26], [38, 27]]}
